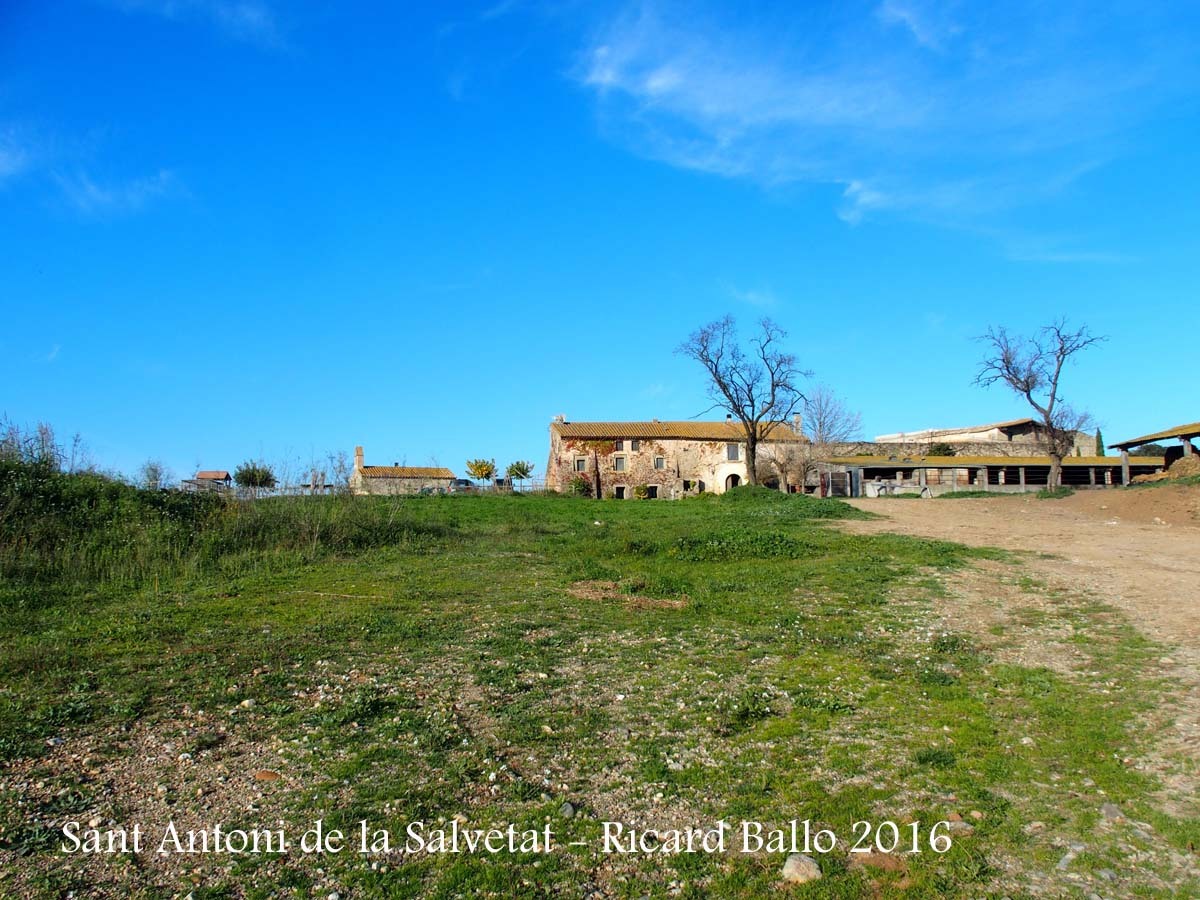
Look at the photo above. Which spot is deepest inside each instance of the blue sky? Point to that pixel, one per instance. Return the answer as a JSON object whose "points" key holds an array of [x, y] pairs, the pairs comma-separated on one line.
{"points": [[250, 228]]}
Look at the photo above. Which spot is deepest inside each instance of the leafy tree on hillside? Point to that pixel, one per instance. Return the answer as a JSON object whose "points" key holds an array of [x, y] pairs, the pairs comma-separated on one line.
{"points": [[481, 469], [519, 470], [254, 477]]}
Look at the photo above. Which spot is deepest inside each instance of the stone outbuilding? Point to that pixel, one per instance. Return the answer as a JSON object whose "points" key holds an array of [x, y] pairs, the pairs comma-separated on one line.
{"points": [[653, 460], [397, 479], [1015, 437]]}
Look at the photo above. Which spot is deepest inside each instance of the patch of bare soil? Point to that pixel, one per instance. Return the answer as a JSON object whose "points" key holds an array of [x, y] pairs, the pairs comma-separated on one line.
{"points": [[1108, 543], [190, 774], [610, 590], [1135, 550]]}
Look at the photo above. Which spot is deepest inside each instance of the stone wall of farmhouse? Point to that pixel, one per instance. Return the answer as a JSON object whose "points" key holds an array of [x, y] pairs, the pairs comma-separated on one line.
{"points": [[392, 486], [685, 464]]}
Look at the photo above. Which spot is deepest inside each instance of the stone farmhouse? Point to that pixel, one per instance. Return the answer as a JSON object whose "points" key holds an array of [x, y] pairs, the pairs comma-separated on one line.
{"points": [[654, 460], [666, 460], [397, 479]]}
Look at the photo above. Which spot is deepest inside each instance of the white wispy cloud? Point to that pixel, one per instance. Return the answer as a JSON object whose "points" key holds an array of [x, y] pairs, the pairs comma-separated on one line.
{"points": [[937, 111], [15, 155], [930, 24], [253, 21], [1030, 250], [764, 298], [93, 198]]}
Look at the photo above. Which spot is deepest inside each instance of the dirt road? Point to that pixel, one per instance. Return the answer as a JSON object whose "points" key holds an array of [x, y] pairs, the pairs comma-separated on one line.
{"points": [[1138, 549]]}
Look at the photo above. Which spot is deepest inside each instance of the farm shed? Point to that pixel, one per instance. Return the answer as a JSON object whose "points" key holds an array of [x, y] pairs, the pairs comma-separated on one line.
{"points": [[209, 480], [870, 476], [1183, 433]]}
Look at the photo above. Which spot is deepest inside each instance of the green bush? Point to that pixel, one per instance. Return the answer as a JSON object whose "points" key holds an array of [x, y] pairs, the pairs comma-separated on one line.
{"points": [[1055, 493], [753, 493]]}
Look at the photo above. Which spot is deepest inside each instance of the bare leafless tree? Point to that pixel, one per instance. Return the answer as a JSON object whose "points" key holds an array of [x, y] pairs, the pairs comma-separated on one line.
{"points": [[827, 419], [759, 386], [154, 475], [1031, 367], [828, 424], [341, 469]]}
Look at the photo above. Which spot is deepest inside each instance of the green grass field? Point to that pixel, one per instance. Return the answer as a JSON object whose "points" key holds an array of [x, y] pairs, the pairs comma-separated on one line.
{"points": [[663, 665]]}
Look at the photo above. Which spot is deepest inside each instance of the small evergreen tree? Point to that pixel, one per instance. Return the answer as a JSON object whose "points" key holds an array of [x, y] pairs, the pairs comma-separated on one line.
{"points": [[519, 470], [254, 477], [1099, 443]]}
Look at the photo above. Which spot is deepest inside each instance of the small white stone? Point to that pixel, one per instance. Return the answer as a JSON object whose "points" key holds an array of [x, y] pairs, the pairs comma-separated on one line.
{"points": [[800, 869]]}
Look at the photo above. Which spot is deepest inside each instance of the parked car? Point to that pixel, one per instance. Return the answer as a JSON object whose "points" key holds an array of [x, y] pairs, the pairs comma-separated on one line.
{"points": [[462, 486]]}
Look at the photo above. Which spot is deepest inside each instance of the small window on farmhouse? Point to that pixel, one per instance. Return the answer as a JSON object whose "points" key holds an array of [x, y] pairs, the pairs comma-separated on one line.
{"points": [[618, 445], [652, 492], [731, 452], [635, 445], [660, 462], [619, 464], [619, 492], [581, 464]]}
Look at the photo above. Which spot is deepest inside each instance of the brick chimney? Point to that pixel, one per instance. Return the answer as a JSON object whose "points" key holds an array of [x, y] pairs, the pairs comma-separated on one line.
{"points": [[797, 424], [358, 459]]}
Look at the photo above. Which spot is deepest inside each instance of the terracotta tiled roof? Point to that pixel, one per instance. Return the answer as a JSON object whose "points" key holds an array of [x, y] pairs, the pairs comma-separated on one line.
{"points": [[699, 431], [405, 472], [212, 475]]}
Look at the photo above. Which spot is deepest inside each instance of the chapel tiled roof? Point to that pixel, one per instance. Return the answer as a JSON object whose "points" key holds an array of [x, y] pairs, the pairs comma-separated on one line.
{"points": [[406, 472]]}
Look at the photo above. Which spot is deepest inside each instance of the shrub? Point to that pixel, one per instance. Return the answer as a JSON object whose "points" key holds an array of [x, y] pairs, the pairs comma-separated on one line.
{"points": [[88, 529], [935, 757], [254, 476], [579, 486], [1055, 493], [753, 493]]}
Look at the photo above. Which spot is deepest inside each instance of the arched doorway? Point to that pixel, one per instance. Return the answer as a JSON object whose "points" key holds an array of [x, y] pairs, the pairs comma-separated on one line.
{"points": [[732, 481]]}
